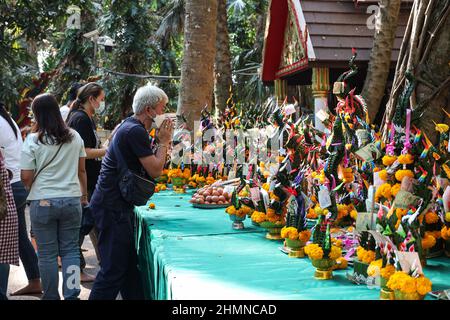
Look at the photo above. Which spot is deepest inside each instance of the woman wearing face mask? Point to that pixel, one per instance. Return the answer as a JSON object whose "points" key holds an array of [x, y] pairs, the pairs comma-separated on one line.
{"points": [[90, 99]]}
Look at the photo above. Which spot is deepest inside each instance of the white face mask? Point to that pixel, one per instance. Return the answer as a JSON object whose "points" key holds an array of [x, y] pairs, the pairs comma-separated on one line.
{"points": [[101, 107], [158, 120]]}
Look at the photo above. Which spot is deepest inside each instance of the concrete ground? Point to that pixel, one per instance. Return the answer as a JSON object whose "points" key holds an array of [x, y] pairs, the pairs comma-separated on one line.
{"points": [[18, 278]]}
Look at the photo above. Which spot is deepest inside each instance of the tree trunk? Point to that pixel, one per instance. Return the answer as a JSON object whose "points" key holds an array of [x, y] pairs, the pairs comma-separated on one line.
{"points": [[435, 71], [380, 58], [427, 48], [197, 68], [222, 66]]}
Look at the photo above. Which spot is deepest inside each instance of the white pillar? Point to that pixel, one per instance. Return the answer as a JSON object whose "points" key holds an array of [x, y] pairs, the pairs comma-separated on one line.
{"points": [[320, 89]]}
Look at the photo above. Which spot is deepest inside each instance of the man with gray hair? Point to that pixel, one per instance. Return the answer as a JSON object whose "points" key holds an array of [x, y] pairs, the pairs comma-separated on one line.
{"points": [[114, 217]]}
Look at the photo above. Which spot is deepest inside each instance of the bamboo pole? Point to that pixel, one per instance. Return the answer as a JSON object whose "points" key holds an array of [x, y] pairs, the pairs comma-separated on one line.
{"points": [[399, 72], [424, 34], [417, 30], [406, 36], [433, 34]]}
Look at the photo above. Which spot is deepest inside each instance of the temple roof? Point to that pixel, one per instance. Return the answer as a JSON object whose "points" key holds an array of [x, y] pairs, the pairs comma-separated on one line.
{"points": [[305, 34]]}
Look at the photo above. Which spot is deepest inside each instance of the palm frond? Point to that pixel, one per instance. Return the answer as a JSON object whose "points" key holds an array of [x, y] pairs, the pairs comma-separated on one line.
{"points": [[173, 22]]}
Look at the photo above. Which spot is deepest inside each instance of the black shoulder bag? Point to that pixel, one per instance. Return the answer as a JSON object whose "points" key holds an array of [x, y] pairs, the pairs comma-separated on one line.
{"points": [[135, 189]]}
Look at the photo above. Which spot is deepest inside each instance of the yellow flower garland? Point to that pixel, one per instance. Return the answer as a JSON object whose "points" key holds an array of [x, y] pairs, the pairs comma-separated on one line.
{"points": [[304, 236], [341, 263], [335, 253], [407, 284], [289, 232], [383, 191], [314, 251], [400, 174], [366, 256], [406, 159], [383, 175], [395, 189], [388, 160], [258, 217], [374, 268], [311, 214], [387, 271], [428, 241], [445, 233], [431, 217]]}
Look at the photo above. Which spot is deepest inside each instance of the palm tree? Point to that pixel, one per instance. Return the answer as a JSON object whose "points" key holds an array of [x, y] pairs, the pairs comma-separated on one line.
{"points": [[197, 78], [222, 66], [380, 59]]}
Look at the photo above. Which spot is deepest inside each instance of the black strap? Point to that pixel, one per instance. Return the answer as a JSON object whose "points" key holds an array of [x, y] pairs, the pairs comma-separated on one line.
{"points": [[46, 165], [122, 165]]}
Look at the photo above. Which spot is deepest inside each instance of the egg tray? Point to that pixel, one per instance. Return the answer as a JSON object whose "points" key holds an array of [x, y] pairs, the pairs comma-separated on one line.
{"points": [[210, 206]]}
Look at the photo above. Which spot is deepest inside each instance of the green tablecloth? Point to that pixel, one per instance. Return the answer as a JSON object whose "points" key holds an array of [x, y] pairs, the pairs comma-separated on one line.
{"points": [[189, 253]]}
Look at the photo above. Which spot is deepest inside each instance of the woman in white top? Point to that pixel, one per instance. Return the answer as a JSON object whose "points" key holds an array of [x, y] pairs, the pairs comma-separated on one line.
{"points": [[11, 146], [53, 169]]}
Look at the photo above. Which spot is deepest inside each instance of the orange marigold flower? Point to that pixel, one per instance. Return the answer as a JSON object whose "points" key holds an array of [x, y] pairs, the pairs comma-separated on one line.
{"points": [[388, 160], [406, 159], [400, 174], [395, 189], [431, 217]]}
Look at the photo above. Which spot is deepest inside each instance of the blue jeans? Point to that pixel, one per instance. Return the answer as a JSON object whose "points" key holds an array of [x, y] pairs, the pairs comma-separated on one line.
{"points": [[56, 226], [4, 275], [26, 250]]}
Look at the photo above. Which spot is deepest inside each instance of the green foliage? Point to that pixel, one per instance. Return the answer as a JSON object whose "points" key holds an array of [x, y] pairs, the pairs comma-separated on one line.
{"points": [[74, 58], [17, 32], [128, 23], [149, 40], [246, 26]]}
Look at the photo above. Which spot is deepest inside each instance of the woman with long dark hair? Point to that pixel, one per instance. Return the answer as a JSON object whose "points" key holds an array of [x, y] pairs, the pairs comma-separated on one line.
{"points": [[90, 99], [53, 169], [11, 145]]}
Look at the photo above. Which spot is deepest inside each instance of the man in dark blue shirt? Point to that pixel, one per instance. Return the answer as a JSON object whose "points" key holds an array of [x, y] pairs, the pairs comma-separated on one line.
{"points": [[114, 217]]}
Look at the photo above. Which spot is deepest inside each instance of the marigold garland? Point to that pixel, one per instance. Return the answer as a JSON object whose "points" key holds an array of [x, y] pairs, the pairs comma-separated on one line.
{"points": [[341, 263], [445, 233], [400, 174], [314, 251], [388, 160], [407, 284], [304, 236], [258, 217], [354, 214], [431, 217], [366, 256], [337, 242], [289, 232], [374, 268], [395, 189], [436, 234], [335, 253], [311, 214], [387, 271], [428, 241], [383, 175], [383, 191], [406, 159]]}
